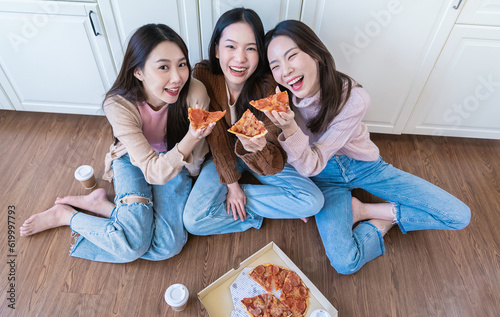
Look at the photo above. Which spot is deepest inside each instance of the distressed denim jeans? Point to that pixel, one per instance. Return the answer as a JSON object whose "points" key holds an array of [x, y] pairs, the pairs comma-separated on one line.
{"points": [[419, 205], [284, 195], [151, 231]]}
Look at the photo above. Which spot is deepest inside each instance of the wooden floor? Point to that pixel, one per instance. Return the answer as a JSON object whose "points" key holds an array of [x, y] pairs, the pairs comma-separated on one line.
{"points": [[425, 273]]}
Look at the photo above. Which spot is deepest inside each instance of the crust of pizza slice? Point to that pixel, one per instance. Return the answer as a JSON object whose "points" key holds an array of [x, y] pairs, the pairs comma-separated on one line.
{"points": [[263, 275], [248, 126], [200, 118], [278, 102]]}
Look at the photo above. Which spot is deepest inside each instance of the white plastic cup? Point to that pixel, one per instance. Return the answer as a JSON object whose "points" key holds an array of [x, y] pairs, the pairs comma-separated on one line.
{"points": [[320, 313], [177, 296], [85, 175]]}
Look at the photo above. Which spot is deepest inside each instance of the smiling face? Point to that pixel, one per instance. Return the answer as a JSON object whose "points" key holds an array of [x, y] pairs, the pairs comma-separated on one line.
{"points": [[164, 74], [292, 67], [237, 54]]}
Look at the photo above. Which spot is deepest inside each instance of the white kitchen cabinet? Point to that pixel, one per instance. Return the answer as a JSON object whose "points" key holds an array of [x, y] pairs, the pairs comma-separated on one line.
{"points": [[389, 47], [462, 96], [54, 56], [480, 12], [123, 17], [270, 12]]}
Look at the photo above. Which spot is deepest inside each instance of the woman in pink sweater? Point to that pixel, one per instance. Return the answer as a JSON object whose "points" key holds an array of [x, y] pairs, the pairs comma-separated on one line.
{"points": [[155, 152], [326, 140]]}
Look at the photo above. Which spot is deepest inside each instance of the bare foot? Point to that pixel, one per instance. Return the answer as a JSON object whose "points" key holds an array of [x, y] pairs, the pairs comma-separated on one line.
{"points": [[363, 211], [383, 225], [306, 219], [96, 202], [358, 210], [57, 216]]}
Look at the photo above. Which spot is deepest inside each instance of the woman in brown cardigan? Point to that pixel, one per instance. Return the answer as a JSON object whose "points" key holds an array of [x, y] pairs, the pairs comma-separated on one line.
{"points": [[234, 74]]}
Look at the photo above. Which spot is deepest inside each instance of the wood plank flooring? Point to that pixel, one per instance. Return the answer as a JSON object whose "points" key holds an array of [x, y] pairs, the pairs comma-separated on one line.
{"points": [[425, 273]]}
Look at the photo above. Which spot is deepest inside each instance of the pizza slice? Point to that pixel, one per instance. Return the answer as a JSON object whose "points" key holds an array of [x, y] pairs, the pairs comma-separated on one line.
{"points": [[278, 102], [255, 306], [200, 118], [248, 126], [295, 294], [275, 308], [279, 275], [263, 275]]}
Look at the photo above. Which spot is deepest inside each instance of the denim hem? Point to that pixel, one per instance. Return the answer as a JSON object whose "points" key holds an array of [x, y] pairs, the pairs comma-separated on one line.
{"points": [[381, 239]]}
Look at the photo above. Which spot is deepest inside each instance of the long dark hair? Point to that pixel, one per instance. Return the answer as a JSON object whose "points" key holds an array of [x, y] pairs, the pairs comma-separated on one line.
{"points": [[142, 42], [258, 83], [332, 82]]}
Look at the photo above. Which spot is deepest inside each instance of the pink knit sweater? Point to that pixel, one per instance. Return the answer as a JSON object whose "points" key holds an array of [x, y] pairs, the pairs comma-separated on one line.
{"points": [[346, 134]]}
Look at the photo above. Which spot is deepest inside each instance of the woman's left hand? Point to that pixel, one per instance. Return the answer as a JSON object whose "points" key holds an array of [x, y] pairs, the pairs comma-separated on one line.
{"points": [[254, 144]]}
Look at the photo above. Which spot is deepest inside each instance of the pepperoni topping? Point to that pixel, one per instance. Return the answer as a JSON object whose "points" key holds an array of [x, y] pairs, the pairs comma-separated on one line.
{"points": [[259, 270], [289, 302], [270, 280], [275, 269], [287, 287], [295, 280], [256, 311], [302, 291], [301, 306]]}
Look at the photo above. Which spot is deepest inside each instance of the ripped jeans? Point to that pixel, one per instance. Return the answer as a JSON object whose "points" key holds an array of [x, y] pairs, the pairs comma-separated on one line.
{"points": [[151, 231], [418, 204]]}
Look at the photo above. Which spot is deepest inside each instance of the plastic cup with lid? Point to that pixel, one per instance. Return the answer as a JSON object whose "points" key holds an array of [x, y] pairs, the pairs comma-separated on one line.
{"points": [[177, 296], [320, 313]]}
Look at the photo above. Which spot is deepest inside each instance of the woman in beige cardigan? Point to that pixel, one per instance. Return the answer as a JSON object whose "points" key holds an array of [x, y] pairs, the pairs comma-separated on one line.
{"points": [[150, 162]]}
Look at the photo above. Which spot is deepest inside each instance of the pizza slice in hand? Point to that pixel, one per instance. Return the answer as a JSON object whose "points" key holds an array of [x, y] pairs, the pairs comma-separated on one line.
{"points": [[200, 118], [248, 126], [255, 306], [278, 102]]}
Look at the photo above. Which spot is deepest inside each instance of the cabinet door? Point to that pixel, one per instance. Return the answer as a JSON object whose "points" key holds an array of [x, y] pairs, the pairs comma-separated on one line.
{"points": [[52, 58], [481, 12], [123, 17], [462, 96], [389, 47], [270, 12]]}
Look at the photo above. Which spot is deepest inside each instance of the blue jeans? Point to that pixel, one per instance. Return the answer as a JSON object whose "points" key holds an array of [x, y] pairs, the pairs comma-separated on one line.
{"points": [[419, 205], [283, 195], [151, 231]]}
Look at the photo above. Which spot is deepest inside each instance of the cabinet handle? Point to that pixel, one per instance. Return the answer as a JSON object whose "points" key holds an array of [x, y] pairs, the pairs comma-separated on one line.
{"points": [[93, 26], [458, 5]]}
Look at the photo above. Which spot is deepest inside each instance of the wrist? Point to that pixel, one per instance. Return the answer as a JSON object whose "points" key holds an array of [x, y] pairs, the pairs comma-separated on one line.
{"points": [[290, 129]]}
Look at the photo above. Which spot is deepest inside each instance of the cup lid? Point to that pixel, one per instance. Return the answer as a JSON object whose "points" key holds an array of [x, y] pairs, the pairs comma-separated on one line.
{"points": [[84, 172], [176, 295], [320, 313]]}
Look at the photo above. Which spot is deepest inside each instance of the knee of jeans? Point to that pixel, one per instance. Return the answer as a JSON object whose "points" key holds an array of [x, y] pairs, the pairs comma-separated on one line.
{"points": [[134, 198], [172, 249], [342, 264], [134, 252], [190, 224], [312, 204], [463, 217]]}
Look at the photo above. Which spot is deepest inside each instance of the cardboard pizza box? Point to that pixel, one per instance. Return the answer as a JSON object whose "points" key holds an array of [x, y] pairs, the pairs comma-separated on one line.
{"points": [[216, 298]]}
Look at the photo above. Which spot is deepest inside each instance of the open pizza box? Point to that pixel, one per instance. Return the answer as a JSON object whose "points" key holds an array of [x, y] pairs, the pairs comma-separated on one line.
{"points": [[217, 300]]}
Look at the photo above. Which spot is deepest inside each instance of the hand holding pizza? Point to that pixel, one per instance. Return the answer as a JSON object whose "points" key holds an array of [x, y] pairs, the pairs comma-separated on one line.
{"points": [[202, 132], [254, 144]]}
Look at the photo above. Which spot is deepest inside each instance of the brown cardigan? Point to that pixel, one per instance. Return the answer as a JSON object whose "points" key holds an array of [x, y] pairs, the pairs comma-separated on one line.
{"points": [[269, 161]]}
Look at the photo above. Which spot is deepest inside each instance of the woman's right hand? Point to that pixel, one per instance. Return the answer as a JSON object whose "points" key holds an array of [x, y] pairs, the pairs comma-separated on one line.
{"points": [[236, 201], [201, 133]]}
